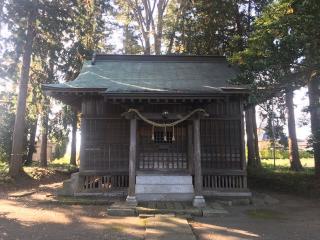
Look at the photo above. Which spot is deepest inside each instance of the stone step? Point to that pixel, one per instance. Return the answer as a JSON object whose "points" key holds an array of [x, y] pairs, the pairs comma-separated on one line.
{"points": [[164, 179], [164, 196], [163, 188]]}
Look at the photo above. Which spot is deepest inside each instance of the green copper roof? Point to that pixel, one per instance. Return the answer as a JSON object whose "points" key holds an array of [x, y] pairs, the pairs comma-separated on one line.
{"points": [[158, 74]]}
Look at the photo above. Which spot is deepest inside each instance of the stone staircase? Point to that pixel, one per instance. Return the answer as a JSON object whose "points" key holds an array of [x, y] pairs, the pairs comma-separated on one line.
{"points": [[164, 187]]}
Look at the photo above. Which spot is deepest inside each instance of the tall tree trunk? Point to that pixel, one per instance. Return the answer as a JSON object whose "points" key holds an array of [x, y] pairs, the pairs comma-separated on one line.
{"points": [[314, 96], [162, 4], [250, 137], [32, 141], [180, 13], [147, 43], [126, 39], [253, 161], [74, 139], [19, 125], [292, 141], [256, 140], [44, 137]]}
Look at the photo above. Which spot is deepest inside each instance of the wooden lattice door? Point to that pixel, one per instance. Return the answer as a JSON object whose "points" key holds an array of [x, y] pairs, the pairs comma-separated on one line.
{"points": [[162, 153]]}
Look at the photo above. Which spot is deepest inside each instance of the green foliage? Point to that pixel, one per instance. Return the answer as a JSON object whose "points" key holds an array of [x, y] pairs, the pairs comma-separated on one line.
{"points": [[61, 146], [210, 27], [63, 164], [283, 180], [4, 168], [268, 154], [279, 48]]}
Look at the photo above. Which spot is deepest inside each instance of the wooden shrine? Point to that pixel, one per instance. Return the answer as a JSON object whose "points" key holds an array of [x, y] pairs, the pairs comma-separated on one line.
{"points": [[158, 127]]}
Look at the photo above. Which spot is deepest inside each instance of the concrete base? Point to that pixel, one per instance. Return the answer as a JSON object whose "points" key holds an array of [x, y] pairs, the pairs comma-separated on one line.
{"points": [[70, 187], [199, 202], [131, 201]]}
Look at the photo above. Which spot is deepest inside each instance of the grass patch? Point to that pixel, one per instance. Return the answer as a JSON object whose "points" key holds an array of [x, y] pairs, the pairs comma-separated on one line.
{"points": [[306, 162], [282, 179], [265, 214], [35, 172]]}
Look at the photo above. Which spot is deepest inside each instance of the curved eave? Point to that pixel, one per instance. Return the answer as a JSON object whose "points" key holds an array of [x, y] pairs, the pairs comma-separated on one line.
{"points": [[71, 95]]}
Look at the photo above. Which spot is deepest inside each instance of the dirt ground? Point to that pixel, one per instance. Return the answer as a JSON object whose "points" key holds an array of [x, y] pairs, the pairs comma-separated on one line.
{"points": [[293, 218], [32, 217]]}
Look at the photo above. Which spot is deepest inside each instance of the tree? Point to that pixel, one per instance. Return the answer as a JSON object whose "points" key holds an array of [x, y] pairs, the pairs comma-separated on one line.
{"points": [[74, 124], [19, 126], [81, 27], [314, 108], [295, 163], [253, 154], [307, 16], [149, 17], [32, 125], [278, 56]]}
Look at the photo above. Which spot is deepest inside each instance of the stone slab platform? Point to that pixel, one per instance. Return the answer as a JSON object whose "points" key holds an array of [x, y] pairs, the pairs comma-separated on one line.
{"points": [[169, 228], [172, 208]]}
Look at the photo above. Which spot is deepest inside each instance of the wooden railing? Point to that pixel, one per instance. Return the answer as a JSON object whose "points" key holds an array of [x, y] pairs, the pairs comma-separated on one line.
{"points": [[105, 183], [224, 181]]}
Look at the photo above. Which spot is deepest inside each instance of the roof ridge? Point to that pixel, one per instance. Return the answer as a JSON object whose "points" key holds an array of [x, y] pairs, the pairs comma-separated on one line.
{"points": [[159, 58]]}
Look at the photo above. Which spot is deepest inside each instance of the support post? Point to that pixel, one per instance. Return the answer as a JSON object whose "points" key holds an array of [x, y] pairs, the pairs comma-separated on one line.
{"points": [[198, 200], [131, 198], [243, 144], [190, 147]]}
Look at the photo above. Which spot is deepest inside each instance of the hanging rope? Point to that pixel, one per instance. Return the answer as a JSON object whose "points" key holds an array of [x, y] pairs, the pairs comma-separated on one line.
{"points": [[165, 125]]}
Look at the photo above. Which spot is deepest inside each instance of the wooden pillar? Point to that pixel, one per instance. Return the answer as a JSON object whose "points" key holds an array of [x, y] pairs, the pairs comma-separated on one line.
{"points": [[82, 143], [198, 200], [131, 198], [190, 147], [243, 144]]}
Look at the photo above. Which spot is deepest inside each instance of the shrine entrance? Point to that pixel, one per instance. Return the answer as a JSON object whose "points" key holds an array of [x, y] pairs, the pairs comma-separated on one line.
{"points": [[162, 149]]}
